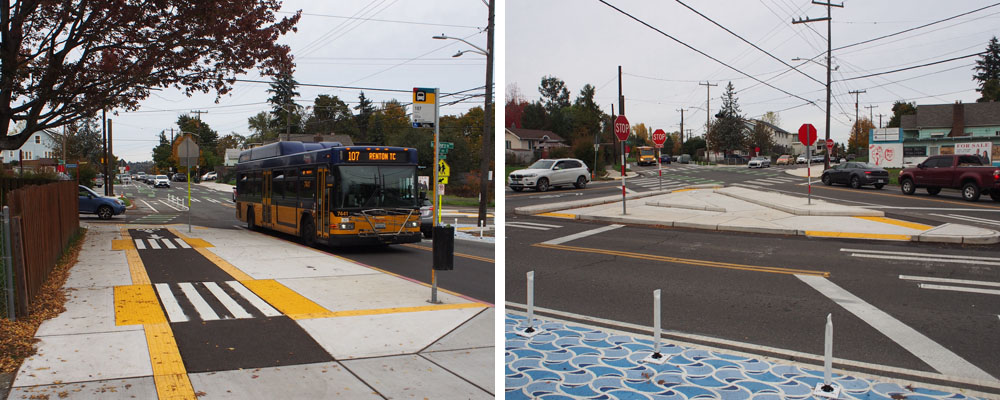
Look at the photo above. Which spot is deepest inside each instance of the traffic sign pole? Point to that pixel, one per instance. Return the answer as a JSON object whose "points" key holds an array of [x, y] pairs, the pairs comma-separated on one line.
{"points": [[622, 133], [659, 138], [807, 136]]}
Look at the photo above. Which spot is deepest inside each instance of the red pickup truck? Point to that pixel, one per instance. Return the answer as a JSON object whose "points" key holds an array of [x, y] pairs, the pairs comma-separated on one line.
{"points": [[965, 172]]}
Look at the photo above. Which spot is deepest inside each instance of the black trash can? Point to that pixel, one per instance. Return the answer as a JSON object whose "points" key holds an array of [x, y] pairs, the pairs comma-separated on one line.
{"points": [[444, 248]]}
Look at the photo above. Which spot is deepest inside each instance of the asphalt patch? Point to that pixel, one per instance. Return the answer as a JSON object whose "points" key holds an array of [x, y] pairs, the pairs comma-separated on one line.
{"points": [[245, 343]]}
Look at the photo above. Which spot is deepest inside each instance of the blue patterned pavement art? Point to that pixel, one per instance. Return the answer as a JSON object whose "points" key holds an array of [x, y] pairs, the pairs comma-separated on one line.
{"points": [[573, 362]]}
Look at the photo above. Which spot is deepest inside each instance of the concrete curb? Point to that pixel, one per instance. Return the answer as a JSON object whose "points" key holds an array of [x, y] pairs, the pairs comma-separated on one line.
{"points": [[931, 236], [690, 225], [804, 212], [685, 206], [544, 208]]}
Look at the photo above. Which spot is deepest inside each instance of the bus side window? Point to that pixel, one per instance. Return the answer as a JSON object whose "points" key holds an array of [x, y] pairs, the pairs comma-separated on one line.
{"points": [[331, 192], [307, 187], [277, 184], [243, 185]]}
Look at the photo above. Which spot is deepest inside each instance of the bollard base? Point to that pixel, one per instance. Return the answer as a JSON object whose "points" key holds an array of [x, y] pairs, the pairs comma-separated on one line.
{"points": [[435, 302], [655, 358], [831, 391], [528, 332]]}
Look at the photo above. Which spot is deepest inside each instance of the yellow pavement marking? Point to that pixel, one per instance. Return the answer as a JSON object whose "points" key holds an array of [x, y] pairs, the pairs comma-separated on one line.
{"points": [[137, 305], [700, 263], [905, 224], [135, 267], [169, 375], [224, 265], [851, 235], [558, 215], [194, 242], [469, 256], [122, 244], [392, 310], [284, 299]]}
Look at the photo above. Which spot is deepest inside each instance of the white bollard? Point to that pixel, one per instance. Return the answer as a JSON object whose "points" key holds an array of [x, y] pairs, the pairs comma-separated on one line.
{"points": [[530, 330], [656, 357], [828, 389]]}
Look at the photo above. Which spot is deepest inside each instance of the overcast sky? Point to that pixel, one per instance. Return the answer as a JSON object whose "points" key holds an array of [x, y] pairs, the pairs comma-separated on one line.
{"points": [[332, 50], [585, 41]]}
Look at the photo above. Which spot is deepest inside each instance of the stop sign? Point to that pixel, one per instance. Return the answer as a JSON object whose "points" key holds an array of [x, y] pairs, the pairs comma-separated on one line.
{"points": [[807, 134], [622, 128], [659, 137], [829, 145]]}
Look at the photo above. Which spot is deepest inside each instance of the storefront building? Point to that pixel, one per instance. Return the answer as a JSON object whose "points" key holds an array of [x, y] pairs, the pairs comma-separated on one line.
{"points": [[959, 128]]}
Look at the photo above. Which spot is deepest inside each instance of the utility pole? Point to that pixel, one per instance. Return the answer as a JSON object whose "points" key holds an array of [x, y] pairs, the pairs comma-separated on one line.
{"points": [[880, 121], [871, 117], [682, 125], [104, 141], [171, 135], [829, 50], [487, 139], [708, 111], [109, 181], [199, 112]]}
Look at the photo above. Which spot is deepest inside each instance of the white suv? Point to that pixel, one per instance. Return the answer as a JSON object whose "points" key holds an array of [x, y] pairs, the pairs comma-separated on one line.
{"points": [[161, 180], [544, 174]]}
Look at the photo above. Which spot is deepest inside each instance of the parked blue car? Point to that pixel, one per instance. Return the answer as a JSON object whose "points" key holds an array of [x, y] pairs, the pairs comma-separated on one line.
{"points": [[104, 207]]}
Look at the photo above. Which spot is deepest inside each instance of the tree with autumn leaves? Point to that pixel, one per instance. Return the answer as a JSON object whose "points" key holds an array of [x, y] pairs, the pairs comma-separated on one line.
{"points": [[62, 62]]}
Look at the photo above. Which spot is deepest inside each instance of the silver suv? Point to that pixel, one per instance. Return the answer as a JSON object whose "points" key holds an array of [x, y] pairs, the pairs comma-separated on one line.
{"points": [[544, 174]]}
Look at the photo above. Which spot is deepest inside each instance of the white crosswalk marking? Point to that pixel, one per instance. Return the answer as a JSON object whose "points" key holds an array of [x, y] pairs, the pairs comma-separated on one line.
{"points": [[204, 310], [174, 311], [529, 225], [153, 244], [261, 305], [230, 304], [182, 243], [168, 244], [139, 244]]}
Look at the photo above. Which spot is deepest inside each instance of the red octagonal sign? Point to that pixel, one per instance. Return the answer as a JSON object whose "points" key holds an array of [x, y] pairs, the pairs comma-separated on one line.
{"points": [[807, 134], [659, 138], [622, 127]]}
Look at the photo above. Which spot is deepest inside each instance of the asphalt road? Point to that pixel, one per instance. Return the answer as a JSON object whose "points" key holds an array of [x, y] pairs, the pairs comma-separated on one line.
{"points": [[473, 275]]}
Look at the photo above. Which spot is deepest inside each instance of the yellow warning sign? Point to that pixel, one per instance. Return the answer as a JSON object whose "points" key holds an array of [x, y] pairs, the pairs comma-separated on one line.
{"points": [[444, 170]]}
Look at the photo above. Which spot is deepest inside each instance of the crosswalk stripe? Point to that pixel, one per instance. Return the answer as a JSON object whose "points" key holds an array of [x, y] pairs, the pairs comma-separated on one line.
{"points": [[195, 200], [535, 224], [230, 304], [758, 182], [153, 244], [182, 243], [261, 305], [168, 244], [139, 244], [518, 225], [203, 309], [174, 311]]}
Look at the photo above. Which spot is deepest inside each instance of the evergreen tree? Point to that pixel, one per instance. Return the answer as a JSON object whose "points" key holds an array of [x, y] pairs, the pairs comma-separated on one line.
{"points": [[988, 75], [554, 93], [286, 116], [365, 110], [899, 109], [728, 132], [163, 154]]}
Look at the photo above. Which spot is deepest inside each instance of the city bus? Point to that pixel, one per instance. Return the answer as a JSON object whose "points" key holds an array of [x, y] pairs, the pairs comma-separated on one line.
{"points": [[329, 193], [647, 155]]}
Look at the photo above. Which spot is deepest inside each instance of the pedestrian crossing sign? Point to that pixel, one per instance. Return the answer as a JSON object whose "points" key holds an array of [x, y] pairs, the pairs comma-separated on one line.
{"points": [[444, 170]]}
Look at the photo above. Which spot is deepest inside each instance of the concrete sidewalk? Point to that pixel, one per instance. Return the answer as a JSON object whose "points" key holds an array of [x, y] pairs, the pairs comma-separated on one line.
{"points": [[574, 360], [740, 209], [380, 336]]}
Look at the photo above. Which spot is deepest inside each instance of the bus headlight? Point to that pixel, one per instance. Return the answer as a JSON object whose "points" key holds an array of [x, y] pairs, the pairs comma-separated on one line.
{"points": [[413, 224], [346, 226]]}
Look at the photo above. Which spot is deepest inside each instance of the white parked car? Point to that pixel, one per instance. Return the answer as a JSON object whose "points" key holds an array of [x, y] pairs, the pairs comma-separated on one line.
{"points": [[545, 174], [759, 162], [800, 159], [210, 176], [161, 180]]}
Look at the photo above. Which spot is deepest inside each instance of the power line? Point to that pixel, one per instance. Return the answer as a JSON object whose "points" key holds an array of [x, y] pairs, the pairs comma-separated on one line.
{"points": [[747, 41], [386, 20], [918, 27], [913, 67], [702, 53]]}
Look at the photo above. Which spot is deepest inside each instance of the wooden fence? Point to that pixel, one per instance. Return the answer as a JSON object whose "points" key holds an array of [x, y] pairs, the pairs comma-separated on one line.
{"points": [[43, 220]]}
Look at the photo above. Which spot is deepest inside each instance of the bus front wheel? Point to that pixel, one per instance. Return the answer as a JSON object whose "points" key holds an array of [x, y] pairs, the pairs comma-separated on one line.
{"points": [[307, 231]]}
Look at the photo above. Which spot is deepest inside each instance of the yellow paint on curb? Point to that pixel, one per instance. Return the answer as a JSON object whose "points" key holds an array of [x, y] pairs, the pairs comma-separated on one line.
{"points": [[169, 375], [137, 305], [194, 242], [469, 256], [122, 244], [905, 224], [558, 215], [284, 299], [224, 265], [700, 263], [851, 235], [392, 310], [135, 267]]}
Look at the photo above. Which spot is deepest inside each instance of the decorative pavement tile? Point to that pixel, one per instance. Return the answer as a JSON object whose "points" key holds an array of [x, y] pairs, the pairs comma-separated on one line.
{"points": [[573, 362]]}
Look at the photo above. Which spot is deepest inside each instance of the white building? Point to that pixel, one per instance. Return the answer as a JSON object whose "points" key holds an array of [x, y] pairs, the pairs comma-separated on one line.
{"points": [[40, 145]]}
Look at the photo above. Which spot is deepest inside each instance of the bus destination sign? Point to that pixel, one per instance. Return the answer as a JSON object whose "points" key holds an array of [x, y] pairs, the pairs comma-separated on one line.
{"points": [[374, 155]]}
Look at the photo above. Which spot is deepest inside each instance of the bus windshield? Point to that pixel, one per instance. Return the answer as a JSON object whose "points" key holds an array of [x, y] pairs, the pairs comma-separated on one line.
{"points": [[645, 152], [372, 186]]}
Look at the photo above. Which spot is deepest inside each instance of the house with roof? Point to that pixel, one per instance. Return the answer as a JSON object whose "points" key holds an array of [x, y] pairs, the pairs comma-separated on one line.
{"points": [[959, 128], [41, 145], [527, 145]]}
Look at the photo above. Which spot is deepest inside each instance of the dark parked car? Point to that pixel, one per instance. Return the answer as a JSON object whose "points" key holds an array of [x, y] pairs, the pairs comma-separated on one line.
{"points": [[665, 159], [856, 174], [965, 172], [93, 203]]}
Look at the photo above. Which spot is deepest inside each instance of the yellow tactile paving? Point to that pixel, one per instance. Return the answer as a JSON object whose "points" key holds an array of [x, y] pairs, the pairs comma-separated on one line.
{"points": [[558, 215], [224, 265], [877, 236], [284, 299], [905, 224], [194, 242], [169, 374], [137, 305], [392, 310], [135, 267], [122, 244]]}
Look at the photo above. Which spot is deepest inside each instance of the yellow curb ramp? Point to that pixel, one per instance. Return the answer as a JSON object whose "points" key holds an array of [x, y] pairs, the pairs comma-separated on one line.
{"points": [[284, 299], [558, 215], [852, 235], [905, 224], [137, 305]]}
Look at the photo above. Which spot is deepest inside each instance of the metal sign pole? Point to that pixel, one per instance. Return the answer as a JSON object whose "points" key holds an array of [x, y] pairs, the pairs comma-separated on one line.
{"points": [[189, 193], [437, 156], [659, 172], [809, 173], [623, 177]]}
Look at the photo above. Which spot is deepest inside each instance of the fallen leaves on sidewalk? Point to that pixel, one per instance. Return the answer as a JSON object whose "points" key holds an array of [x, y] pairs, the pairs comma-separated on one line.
{"points": [[17, 338]]}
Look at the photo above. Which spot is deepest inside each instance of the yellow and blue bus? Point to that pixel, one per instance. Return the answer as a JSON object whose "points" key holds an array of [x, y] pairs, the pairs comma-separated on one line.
{"points": [[329, 193]]}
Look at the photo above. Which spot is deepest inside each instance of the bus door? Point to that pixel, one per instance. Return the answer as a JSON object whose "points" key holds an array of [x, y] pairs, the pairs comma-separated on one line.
{"points": [[323, 207], [266, 200]]}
